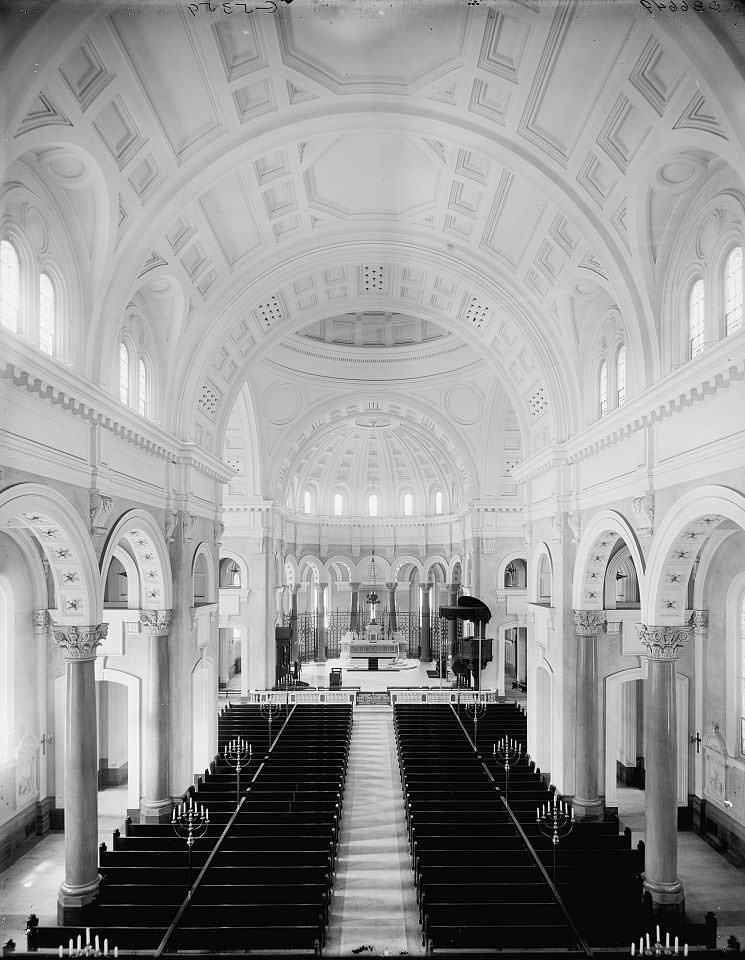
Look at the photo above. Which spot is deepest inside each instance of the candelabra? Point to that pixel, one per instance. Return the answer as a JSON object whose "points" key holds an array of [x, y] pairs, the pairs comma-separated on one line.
{"points": [[190, 823], [555, 821], [234, 754], [475, 709], [269, 710], [89, 950], [656, 949], [507, 753]]}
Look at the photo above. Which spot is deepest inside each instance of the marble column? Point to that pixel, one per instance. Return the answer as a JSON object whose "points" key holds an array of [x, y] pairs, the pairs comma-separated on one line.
{"points": [[81, 882], [700, 625], [45, 803], [321, 617], [661, 768], [587, 805], [426, 650], [155, 805], [391, 588], [295, 649], [454, 590], [354, 615]]}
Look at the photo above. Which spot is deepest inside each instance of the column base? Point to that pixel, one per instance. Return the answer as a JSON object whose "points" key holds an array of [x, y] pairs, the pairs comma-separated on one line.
{"points": [[592, 810], [155, 811], [668, 898], [72, 899]]}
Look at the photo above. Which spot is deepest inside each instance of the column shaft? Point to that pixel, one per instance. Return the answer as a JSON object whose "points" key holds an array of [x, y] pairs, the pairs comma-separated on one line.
{"points": [[661, 769], [426, 651], [81, 882], [391, 588], [587, 804], [321, 652], [354, 607]]}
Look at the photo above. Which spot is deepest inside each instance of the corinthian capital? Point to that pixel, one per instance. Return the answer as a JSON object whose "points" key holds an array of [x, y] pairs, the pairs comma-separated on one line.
{"points": [[79, 643], [156, 622], [662, 643], [587, 623]]}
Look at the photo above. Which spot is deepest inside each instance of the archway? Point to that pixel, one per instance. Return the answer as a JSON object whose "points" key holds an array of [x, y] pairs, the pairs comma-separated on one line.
{"points": [[596, 547]]}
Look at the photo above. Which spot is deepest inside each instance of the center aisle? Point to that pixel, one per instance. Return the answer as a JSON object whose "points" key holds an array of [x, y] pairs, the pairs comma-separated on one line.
{"points": [[374, 901]]}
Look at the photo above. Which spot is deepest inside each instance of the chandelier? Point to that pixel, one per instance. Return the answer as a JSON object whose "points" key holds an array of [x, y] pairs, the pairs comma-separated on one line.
{"points": [[372, 597]]}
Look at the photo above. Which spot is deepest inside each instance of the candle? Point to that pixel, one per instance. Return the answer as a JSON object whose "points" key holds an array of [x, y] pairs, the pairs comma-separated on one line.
{"points": [[633, 949], [106, 947], [60, 952], [116, 952], [657, 934], [685, 949], [70, 946], [676, 946], [207, 815], [79, 942], [648, 947], [95, 943], [173, 818], [667, 940], [641, 946], [87, 936]]}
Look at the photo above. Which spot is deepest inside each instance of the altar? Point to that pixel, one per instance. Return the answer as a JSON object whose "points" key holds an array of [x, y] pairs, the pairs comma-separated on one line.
{"points": [[373, 650]]}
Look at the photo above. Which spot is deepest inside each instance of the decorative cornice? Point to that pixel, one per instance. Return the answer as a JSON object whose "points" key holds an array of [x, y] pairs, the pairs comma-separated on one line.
{"points": [[662, 642], [587, 623], [79, 643], [156, 623]]}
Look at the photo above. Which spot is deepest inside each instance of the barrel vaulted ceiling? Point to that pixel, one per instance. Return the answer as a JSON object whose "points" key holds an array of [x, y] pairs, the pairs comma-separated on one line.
{"points": [[493, 176]]}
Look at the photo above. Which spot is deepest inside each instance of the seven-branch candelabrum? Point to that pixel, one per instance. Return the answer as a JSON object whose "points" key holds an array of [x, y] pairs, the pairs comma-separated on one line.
{"points": [[90, 949], [238, 753], [190, 821], [269, 710], [647, 948], [475, 709], [507, 753], [555, 821]]}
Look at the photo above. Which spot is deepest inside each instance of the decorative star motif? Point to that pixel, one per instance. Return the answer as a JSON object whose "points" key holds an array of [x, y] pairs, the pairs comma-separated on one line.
{"points": [[31, 517], [147, 556], [49, 534], [681, 555], [73, 604], [62, 554], [69, 577], [152, 594], [152, 574]]}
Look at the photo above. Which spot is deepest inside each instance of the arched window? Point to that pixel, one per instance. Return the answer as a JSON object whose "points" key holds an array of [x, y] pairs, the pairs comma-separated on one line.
{"points": [[696, 319], [372, 505], [143, 388], [438, 501], [124, 373], [306, 501], [47, 315], [408, 504], [603, 388], [10, 286], [544, 580], [621, 377], [733, 310], [338, 504]]}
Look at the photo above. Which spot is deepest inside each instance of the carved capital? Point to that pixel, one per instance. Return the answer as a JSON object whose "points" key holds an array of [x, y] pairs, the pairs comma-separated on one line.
{"points": [[644, 509], [662, 643], [171, 521], [218, 529], [188, 522], [79, 643], [587, 623], [156, 623], [574, 522], [391, 586], [700, 621], [42, 620], [100, 508]]}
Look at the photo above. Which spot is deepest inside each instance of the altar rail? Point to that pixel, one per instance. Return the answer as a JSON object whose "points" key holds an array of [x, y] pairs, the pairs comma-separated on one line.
{"points": [[350, 695]]}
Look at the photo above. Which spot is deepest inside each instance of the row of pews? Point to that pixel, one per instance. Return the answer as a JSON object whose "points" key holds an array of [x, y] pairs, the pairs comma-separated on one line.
{"points": [[260, 876], [484, 872]]}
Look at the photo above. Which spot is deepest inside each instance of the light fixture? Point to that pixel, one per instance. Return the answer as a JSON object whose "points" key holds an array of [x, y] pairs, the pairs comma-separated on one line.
{"points": [[620, 575]]}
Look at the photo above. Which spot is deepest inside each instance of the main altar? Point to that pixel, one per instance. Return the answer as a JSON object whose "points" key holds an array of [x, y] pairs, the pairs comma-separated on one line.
{"points": [[374, 650]]}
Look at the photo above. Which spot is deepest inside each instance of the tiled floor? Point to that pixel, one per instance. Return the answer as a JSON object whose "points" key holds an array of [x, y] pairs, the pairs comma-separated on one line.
{"points": [[710, 881], [30, 884]]}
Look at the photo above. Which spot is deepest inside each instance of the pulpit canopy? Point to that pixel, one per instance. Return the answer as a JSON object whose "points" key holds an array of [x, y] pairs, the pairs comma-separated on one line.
{"points": [[468, 608]]}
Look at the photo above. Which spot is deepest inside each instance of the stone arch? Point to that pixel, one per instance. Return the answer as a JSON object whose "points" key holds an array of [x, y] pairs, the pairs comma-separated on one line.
{"points": [[401, 561], [594, 551], [505, 562], [150, 551], [432, 561], [455, 571], [678, 541], [241, 563], [67, 546]]}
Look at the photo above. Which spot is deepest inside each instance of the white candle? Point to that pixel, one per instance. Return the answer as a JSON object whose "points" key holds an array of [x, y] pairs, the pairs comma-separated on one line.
{"points": [[657, 934], [173, 818], [106, 947], [648, 947], [95, 943], [641, 946], [667, 940], [80, 942], [538, 813], [685, 949], [116, 952], [676, 946], [60, 952], [207, 815], [87, 936], [70, 946], [633, 949]]}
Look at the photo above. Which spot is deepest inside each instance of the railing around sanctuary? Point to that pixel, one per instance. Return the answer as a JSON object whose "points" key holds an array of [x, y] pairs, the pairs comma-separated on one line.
{"points": [[408, 623]]}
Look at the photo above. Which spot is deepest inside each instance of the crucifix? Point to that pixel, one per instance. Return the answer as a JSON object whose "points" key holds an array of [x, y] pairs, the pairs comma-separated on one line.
{"points": [[697, 740]]}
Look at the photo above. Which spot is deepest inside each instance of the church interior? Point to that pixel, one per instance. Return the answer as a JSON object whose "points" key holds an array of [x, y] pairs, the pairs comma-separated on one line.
{"points": [[372, 477]]}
